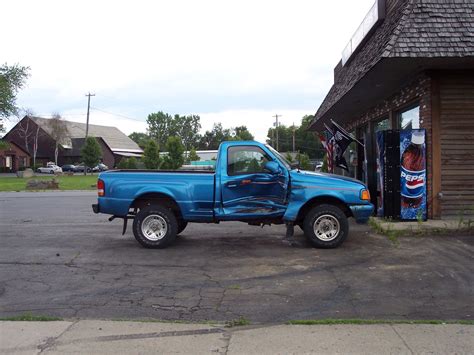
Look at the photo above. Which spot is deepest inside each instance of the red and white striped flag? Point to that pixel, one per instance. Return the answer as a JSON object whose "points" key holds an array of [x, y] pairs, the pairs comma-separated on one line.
{"points": [[329, 146]]}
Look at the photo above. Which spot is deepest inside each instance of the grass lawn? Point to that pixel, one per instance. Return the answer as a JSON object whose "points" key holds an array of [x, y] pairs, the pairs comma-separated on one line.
{"points": [[76, 182]]}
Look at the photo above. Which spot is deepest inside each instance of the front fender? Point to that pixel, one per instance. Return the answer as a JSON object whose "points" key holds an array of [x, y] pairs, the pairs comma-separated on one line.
{"points": [[299, 197]]}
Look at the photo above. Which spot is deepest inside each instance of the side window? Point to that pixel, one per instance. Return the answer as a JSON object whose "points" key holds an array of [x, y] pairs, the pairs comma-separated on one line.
{"points": [[246, 160]]}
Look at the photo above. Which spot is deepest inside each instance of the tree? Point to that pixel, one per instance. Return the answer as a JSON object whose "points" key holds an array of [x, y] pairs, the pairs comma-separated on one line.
{"points": [[91, 153], [59, 132], [12, 79], [123, 163], [151, 156], [187, 127], [241, 133], [303, 160], [305, 141], [211, 139], [324, 167], [140, 138], [132, 163], [4, 145], [193, 155], [29, 132], [162, 125], [159, 125], [174, 159]]}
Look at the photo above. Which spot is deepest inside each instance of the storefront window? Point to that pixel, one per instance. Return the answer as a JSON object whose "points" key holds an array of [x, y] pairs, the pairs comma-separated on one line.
{"points": [[410, 119], [379, 126]]}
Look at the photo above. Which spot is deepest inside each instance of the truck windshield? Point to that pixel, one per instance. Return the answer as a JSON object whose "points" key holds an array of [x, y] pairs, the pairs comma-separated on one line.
{"points": [[280, 157]]}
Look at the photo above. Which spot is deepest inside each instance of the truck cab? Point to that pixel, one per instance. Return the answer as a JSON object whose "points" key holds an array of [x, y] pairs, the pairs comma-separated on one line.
{"points": [[252, 183]]}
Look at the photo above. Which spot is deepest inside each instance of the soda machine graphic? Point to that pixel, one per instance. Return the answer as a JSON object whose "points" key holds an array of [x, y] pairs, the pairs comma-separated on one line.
{"points": [[401, 160], [412, 174]]}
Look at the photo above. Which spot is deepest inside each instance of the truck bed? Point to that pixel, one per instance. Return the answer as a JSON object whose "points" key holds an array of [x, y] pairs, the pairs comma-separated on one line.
{"points": [[197, 171]]}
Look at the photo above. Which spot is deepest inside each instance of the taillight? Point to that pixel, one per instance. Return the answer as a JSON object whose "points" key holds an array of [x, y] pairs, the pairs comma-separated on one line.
{"points": [[100, 188]]}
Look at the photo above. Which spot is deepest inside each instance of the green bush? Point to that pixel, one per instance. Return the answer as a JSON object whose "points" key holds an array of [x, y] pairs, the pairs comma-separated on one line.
{"points": [[123, 164], [132, 163]]}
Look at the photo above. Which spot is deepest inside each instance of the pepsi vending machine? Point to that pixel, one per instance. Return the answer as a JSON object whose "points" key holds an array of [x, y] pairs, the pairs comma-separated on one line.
{"points": [[401, 165]]}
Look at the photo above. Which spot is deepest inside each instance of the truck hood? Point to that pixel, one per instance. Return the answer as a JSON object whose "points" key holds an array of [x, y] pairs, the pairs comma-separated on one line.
{"points": [[323, 179]]}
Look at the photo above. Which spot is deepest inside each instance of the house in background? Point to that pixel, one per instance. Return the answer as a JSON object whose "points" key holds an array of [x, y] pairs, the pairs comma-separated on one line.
{"points": [[114, 144], [13, 158]]}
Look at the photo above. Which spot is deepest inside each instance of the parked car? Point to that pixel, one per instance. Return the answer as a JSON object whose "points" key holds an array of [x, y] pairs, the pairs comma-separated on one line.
{"points": [[69, 167], [80, 169], [252, 183], [100, 167], [50, 169]]}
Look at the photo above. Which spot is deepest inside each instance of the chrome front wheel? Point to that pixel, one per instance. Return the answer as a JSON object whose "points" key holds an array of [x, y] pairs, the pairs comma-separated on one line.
{"points": [[326, 227]]}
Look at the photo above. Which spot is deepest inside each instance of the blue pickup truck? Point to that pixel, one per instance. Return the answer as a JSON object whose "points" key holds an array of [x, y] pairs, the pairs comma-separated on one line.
{"points": [[252, 183]]}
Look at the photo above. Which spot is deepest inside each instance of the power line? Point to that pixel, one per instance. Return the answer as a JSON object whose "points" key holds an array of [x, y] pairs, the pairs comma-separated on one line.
{"points": [[117, 114]]}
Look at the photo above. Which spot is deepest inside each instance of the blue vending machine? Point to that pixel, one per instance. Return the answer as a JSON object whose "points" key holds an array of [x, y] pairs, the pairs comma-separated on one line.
{"points": [[401, 165]]}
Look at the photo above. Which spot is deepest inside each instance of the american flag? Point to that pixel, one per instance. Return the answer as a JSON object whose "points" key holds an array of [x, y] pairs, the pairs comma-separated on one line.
{"points": [[328, 144]]}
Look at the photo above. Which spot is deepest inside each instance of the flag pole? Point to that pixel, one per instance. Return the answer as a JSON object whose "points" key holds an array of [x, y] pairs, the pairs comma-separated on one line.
{"points": [[344, 131]]}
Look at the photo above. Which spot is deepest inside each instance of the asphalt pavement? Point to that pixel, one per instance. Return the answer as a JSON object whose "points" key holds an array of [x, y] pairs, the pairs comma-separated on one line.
{"points": [[57, 258]]}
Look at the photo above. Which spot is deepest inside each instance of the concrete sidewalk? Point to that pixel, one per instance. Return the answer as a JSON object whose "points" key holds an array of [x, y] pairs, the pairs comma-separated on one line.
{"points": [[123, 337]]}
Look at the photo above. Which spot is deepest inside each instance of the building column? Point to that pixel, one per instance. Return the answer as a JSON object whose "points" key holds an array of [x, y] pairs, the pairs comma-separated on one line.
{"points": [[435, 147]]}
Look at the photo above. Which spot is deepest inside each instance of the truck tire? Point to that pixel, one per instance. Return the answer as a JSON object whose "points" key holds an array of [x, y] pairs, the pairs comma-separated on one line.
{"points": [[326, 226], [181, 225], [155, 227]]}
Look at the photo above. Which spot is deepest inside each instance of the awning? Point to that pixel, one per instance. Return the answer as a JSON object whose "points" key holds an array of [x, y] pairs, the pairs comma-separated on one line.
{"points": [[128, 154]]}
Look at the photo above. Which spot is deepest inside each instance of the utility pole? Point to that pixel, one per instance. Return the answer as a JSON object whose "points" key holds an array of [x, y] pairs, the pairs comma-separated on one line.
{"points": [[294, 130], [87, 125], [88, 109], [276, 128]]}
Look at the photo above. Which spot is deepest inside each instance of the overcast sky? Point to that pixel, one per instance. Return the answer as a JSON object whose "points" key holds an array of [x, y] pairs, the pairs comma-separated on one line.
{"points": [[235, 62]]}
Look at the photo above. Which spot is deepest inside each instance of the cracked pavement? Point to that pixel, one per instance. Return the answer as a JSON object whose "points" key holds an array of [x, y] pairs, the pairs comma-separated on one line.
{"points": [[57, 258]]}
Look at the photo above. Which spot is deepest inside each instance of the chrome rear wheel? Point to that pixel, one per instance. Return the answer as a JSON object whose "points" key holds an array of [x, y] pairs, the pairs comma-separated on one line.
{"points": [[154, 227]]}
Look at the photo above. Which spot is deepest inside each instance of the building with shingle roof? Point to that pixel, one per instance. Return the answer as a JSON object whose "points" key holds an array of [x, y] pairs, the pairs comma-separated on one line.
{"points": [[411, 65], [114, 144]]}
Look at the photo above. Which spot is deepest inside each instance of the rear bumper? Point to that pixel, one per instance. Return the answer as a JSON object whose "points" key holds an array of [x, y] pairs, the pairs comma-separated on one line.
{"points": [[362, 213], [95, 208]]}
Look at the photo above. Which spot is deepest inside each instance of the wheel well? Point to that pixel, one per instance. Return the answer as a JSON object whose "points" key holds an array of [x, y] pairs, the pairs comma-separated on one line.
{"points": [[320, 200], [155, 198]]}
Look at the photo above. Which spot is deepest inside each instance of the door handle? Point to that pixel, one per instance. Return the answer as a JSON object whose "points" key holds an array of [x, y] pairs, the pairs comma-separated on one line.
{"points": [[231, 184]]}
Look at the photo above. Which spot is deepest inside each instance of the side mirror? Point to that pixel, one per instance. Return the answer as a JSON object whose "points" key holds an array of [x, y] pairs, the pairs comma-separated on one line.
{"points": [[272, 167]]}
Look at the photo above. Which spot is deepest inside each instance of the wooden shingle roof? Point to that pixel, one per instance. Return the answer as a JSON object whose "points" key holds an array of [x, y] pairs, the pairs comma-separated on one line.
{"points": [[412, 29], [115, 139]]}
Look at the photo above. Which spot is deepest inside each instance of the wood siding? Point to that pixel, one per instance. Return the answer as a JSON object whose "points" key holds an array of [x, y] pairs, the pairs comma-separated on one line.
{"points": [[457, 144]]}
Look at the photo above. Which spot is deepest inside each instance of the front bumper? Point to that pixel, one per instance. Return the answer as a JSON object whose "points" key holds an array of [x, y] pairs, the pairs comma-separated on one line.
{"points": [[362, 213], [95, 208]]}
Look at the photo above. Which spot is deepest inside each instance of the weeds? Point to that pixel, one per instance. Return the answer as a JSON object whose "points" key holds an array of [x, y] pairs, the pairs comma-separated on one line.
{"points": [[389, 232], [28, 317], [241, 321]]}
